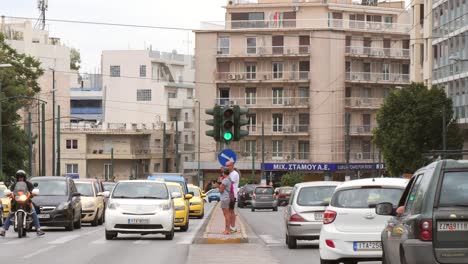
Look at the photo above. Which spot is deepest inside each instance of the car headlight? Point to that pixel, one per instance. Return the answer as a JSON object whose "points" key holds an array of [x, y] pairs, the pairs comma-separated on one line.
{"points": [[89, 204], [165, 207], [195, 203], [63, 206], [179, 208], [113, 206]]}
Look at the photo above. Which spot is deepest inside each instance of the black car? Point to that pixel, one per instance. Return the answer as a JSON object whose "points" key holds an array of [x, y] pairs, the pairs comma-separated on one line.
{"points": [[59, 202], [245, 195]]}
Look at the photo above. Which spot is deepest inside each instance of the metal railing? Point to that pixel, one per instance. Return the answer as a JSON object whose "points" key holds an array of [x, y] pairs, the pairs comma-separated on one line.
{"points": [[266, 50], [361, 130], [364, 156], [378, 52], [263, 76], [445, 71], [86, 110], [363, 102], [283, 129], [264, 102], [378, 77], [450, 26]]}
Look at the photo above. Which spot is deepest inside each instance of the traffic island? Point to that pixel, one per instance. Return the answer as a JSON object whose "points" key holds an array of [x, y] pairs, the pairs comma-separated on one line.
{"points": [[211, 232]]}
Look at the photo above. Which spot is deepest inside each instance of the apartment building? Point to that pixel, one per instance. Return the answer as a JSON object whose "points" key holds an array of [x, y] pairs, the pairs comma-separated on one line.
{"points": [[91, 151], [146, 87], [300, 66], [421, 42], [55, 60], [86, 98]]}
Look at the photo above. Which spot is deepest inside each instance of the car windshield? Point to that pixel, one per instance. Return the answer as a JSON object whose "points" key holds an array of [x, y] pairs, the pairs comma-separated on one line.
{"points": [[264, 190], [86, 189], [315, 196], [108, 186], [52, 187], [213, 191], [195, 191], [454, 189], [366, 197], [140, 190], [174, 188], [249, 188]]}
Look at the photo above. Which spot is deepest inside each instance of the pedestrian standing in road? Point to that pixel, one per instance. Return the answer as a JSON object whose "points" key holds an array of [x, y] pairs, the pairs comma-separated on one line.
{"points": [[234, 176], [224, 189]]}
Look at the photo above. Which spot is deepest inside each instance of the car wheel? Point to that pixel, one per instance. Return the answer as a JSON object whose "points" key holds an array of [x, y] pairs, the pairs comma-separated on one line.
{"points": [[78, 223], [252, 209], [209, 200], [350, 262], [275, 209], [292, 242], [185, 227], [101, 219], [323, 261], [95, 221], [110, 235], [71, 225], [170, 236], [202, 215], [402, 257], [286, 238]]}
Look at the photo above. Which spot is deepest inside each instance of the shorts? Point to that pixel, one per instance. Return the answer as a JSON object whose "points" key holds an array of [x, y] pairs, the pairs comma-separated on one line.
{"points": [[232, 204], [224, 204]]}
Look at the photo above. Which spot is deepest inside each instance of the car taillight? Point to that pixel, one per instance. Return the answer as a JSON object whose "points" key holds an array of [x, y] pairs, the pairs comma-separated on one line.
{"points": [[296, 218], [329, 217], [330, 243], [425, 230]]}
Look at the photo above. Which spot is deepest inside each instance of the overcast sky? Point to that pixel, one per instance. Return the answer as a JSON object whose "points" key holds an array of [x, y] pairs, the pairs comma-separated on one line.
{"points": [[92, 39]]}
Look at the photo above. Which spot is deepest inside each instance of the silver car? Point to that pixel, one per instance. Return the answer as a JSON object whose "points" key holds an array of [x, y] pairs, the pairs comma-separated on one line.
{"points": [[304, 214]]}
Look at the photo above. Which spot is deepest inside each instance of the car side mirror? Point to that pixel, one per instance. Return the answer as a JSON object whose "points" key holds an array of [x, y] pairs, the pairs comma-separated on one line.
{"points": [[76, 194], [176, 195], [104, 194], [188, 196], [192, 193], [203, 195], [36, 184], [384, 209], [6, 192], [35, 192]]}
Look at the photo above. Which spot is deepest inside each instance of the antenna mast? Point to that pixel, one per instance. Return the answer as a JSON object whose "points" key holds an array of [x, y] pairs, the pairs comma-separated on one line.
{"points": [[42, 5]]}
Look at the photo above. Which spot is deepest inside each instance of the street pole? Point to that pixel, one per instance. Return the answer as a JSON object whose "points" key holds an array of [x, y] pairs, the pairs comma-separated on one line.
{"points": [[43, 142], [1, 133], [112, 165], [177, 144], [444, 133], [39, 137], [53, 122], [164, 148], [262, 177], [253, 167], [30, 144], [198, 172], [58, 141], [347, 141]]}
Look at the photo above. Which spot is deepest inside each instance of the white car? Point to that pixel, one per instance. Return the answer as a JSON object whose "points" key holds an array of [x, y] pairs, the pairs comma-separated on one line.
{"points": [[351, 230], [142, 207]]}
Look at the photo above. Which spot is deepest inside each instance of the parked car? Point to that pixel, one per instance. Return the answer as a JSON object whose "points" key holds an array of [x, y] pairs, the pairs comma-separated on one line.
{"points": [[283, 194], [181, 205], [92, 201], [245, 195], [59, 202], [263, 198], [351, 230], [213, 195], [434, 225], [108, 186], [142, 207], [197, 204], [4, 201], [304, 213]]}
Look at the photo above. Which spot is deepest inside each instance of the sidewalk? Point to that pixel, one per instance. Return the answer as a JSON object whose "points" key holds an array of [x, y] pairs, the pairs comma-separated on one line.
{"points": [[213, 230], [231, 254]]}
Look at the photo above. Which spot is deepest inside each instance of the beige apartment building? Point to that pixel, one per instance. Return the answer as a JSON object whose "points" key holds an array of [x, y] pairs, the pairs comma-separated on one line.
{"points": [[22, 36], [421, 42], [86, 150], [300, 66]]}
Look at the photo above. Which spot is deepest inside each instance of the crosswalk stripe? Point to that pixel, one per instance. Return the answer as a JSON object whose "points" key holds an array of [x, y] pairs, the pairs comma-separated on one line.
{"points": [[64, 239]]}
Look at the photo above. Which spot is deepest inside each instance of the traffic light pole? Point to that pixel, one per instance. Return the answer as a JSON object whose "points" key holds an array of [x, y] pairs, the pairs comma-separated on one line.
{"points": [[263, 152]]}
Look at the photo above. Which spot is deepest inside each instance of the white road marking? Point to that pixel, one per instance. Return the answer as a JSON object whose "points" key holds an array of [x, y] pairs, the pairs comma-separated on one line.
{"points": [[269, 239], [64, 239], [99, 241], [40, 251], [142, 242]]}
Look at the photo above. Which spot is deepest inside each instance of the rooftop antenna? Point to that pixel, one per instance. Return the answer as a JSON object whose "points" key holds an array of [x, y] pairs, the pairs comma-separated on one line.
{"points": [[42, 5]]}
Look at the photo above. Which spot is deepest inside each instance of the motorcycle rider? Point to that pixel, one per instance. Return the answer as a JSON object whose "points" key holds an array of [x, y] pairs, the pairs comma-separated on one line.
{"points": [[21, 177]]}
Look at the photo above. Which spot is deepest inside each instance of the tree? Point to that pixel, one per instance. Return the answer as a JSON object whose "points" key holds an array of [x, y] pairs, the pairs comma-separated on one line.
{"points": [[291, 178], [410, 124], [20, 80], [75, 59]]}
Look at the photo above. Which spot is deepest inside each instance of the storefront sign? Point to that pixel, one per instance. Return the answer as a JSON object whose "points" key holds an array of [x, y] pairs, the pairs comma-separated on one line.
{"points": [[321, 166]]}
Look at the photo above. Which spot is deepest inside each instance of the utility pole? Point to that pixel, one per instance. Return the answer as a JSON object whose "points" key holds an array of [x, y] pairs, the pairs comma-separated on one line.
{"points": [[263, 153], [253, 165], [43, 142], [112, 165], [53, 122], [347, 141], [444, 133], [58, 141], [198, 172], [30, 144], [164, 147], [177, 144], [39, 138]]}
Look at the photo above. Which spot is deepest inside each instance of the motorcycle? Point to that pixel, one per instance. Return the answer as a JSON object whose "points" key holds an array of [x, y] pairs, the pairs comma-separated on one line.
{"points": [[21, 208]]}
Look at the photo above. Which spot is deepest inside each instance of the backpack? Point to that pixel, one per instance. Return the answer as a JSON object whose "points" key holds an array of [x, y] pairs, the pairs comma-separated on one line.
{"points": [[232, 197]]}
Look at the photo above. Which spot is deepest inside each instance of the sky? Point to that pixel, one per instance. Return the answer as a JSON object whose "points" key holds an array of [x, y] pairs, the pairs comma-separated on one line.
{"points": [[90, 40]]}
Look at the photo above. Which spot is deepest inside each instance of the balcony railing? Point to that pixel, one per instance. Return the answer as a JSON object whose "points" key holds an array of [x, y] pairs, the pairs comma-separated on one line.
{"points": [[363, 130], [363, 102], [272, 155], [308, 24], [365, 156], [266, 51], [377, 77], [445, 71], [450, 26], [378, 52], [263, 76], [278, 129], [86, 110], [264, 102]]}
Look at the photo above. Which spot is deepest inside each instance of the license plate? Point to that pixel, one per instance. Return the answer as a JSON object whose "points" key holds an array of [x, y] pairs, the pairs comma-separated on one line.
{"points": [[43, 216], [358, 246], [318, 216], [138, 221], [452, 226]]}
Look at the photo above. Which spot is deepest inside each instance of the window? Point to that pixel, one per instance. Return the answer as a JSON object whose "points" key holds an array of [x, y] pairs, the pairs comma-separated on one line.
{"points": [[366, 197], [304, 149], [303, 122], [247, 20], [115, 70], [251, 45], [421, 14], [277, 149], [251, 71], [144, 95], [454, 189], [156, 167], [303, 95], [278, 44], [186, 117], [252, 125], [250, 147], [186, 139], [145, 166], [277, 70], [250, 96], [410, 202], [386, 72], [304, 44], [72, 168], [107, 170], [142, 70], [171, 95], [223, 45], [277, 122], [277, 96], [72, 144]]}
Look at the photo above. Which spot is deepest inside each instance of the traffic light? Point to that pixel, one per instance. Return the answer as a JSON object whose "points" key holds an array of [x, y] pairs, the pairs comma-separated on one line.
{"points": [[215, 112], [227, 128], [239, 122]]}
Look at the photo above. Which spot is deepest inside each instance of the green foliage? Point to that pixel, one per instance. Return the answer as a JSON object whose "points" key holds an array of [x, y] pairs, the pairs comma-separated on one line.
{"points": [[75, 59], [410, 124], [18, 80], [291, 178], [243, 181]]}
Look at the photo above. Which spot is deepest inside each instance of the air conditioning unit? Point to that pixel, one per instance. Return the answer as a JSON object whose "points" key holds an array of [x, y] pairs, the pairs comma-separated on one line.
{"points": [[232, 76], [355, 77], [289, 51], [359, 155], [240, 76], [288, 157], [232, 102], [354, 50]]}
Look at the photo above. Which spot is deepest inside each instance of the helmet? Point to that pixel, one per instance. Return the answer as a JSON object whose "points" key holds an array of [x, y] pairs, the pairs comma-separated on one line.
{"points": [[20, 173]]}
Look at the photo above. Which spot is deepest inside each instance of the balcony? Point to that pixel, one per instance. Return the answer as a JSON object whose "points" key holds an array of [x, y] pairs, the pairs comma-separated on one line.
{"points": [[365, 52], [179, 103], [268, 77], [124, 153], [266, 102], [359, 156], [266, 51], [455, 70], [285, 130], [86, 110], [285, 155], [377, 77], [363, 130], [309, 24], [363, 103]]}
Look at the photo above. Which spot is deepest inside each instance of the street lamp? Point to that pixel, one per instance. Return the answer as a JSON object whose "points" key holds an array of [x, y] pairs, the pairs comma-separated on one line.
{"points": [[3, 65], [53, 120], [198, 171]]}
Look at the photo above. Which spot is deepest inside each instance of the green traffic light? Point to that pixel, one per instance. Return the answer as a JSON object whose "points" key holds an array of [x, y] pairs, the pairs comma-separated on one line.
{"points": [[227, 136]]}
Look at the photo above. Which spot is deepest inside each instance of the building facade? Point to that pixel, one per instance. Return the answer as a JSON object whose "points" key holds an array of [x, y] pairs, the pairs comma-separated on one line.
{"points": [[300, 67], [86, 98], [421, 42]]}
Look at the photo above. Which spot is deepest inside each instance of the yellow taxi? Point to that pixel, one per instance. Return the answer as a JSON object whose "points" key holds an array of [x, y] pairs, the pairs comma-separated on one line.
{"points": [[197, 203], [5, 200], [181, 205]]}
